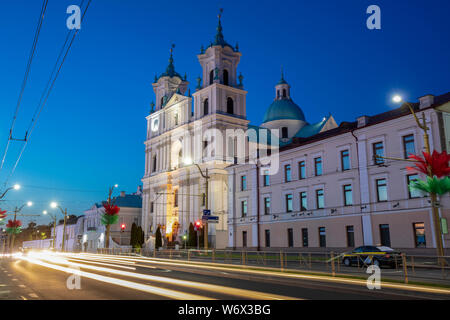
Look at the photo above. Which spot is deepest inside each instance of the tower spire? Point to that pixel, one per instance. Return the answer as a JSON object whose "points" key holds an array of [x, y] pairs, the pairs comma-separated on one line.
{"points": [[282, 81], [219, 40]]}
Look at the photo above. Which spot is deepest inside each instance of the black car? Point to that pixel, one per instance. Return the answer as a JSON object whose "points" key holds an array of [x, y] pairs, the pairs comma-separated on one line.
{"points": [[367, 255]]}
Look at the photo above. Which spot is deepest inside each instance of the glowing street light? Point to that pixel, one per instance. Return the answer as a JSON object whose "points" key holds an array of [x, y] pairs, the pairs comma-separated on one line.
{"points": [[397, 98], [15, 187]]}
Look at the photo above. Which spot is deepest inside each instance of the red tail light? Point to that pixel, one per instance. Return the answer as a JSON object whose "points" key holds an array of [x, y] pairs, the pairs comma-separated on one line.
{"points": [[388, 256]]}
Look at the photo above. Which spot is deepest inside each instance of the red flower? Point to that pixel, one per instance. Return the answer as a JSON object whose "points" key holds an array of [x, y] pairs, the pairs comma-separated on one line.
{"points": [[2, 214], [437, 162], [13, 224], [111, 210]]}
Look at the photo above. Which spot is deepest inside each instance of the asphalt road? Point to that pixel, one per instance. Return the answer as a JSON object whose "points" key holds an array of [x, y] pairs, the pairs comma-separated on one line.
{"points": [[50, 276]]}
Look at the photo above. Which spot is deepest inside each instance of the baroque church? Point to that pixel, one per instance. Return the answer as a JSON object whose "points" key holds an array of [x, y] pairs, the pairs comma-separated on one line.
{"points": [[175, 193]]}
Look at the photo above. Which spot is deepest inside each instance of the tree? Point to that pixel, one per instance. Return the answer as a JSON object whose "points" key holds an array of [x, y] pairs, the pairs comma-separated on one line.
{"points": [[192, 241], [133, 237], [139, 236], [158, 238]]}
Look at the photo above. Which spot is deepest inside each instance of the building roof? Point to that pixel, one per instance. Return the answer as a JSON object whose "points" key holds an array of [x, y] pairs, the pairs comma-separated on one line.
{"points": [[128, 201], [311, 129], [170, 70], [283, 109]]}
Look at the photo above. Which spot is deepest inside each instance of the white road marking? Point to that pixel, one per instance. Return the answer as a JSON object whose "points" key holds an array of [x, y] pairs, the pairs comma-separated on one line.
{"points": [[22, 286], [33, 295], [15, 280], [23, 298]]}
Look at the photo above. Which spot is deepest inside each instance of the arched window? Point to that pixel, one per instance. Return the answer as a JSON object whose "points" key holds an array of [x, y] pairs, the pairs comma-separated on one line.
{"points": [[278, 93], [284, 132], [154, 163], [180, 158], [211, 77], [230, 106], [225, 77], [205, 107], [284, 93]]}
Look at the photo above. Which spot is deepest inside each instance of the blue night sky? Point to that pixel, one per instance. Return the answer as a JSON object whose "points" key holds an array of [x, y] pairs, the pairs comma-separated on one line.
{"points": [[91, 133]]}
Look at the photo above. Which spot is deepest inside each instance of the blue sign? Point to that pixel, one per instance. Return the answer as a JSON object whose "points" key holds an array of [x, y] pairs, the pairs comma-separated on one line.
{"points": [[206, 212], [210, 218]]}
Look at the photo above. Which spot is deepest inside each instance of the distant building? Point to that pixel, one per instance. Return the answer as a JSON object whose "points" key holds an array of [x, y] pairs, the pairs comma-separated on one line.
{"points": [[94, 231], [74, 232]]}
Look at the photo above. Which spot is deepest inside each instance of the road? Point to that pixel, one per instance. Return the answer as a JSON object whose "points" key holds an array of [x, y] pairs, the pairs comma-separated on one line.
{"points": [[39, 275]]}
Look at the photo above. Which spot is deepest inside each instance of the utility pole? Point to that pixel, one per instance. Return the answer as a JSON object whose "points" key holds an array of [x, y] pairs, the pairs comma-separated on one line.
{"points": [[17, 210], [64, 212]]}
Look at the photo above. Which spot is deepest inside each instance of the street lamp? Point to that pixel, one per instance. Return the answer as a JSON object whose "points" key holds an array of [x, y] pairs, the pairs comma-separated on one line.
{"points": [[54, 226], [64, 212], [436, 218], [15, 187], [188, 161]]}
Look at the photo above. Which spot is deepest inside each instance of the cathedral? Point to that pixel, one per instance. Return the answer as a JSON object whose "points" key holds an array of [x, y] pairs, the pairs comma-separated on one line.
{"points": [[175, 193]]}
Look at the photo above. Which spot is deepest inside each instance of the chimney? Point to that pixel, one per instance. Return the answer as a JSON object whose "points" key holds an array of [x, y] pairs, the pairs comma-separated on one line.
{"points": [[426, 101], [122, 194], [362, 121]]}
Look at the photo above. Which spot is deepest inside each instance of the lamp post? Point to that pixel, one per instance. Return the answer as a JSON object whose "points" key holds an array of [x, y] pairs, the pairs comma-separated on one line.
{"points": [[54, 226], [15, 187], [108, 226], [188, 161], [64, 212], [16, 211], [434, 208]]}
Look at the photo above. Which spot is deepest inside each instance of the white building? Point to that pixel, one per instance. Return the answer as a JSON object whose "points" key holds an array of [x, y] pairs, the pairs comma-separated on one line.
{"points": [[74, 231]]}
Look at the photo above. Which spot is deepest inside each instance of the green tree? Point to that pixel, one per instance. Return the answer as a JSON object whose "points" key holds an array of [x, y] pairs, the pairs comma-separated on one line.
{"points": [[133, 237], [139, 237], [158, 238], [192, 240]]}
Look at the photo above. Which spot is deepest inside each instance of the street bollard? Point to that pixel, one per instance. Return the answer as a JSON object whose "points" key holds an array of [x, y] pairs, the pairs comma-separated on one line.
{"points": [[189, 255], [333, 272], [405, 268]]}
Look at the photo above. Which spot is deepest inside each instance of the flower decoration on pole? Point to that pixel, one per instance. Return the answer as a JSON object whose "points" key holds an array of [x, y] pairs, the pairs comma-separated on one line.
{"points": [[2, 216], [436, 167], [14, 227], [111, 215]]}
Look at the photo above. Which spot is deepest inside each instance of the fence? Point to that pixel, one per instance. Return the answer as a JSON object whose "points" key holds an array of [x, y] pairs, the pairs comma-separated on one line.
{"points": [[404, 268]]}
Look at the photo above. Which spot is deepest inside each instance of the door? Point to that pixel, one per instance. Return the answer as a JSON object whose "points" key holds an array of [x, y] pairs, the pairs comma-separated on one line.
{"points": [[385, 237]]}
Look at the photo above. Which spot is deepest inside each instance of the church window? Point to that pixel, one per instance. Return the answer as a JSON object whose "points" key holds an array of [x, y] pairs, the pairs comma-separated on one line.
{"points": [[162, 101], [176, 119], [225, 77], [284, 93], [154, 163], [230, 106], [284, 133], [278, 93], [211, 77], [205, 107]]}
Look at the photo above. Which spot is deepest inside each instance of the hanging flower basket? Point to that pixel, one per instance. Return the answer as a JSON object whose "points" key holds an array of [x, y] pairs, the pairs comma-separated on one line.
{"points": [[2, 216], [432, 185], [14, 227], [111, 215]]}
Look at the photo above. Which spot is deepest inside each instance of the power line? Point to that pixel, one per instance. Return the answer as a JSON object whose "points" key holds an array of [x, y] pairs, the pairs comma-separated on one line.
{"points": [[25, 79], [42, 104]]}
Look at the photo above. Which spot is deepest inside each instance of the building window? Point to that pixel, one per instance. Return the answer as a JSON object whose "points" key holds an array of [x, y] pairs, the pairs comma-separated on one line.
{"points": [[230, 106], [318, 166], [378, 150], [175, 202], [267, 205], [303, 201], [284, 133], [320, 203], [211, 77], [266, 178], [284, 93], [154, 163], [176, 119], [287, 173], [244, 208], [385, 237], [419, 234], [408, 145], [151, 207], [243, 183], [345, 160], [225, 77], [305, 237], [412, 193], [381, 190], [302, 170], [348, 197], [267, 234], [244, 239], [205, 107], [290, 234], [350, 236], [162, 101], [322, 237], [289, 203]]}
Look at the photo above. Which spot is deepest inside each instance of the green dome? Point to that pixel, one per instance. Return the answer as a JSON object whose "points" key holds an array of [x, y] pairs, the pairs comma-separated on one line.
{"points": [[284, 109]]}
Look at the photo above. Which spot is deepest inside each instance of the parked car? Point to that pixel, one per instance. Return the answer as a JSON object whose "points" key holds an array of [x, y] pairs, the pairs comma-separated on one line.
{"points": [[367, 255]]}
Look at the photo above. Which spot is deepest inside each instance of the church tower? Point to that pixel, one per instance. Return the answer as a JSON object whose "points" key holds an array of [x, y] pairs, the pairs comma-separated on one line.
{"points": [[168, 83], [220, 90]]}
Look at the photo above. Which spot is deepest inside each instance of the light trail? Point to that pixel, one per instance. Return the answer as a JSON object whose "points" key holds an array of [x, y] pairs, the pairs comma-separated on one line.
{"points": [[247, 294], [172, 294], [323, 278], [103, 264]]}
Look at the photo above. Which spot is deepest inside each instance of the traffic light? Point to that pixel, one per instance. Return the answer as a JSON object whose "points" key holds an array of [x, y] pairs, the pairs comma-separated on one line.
{"points": [[198, 225], [122, 227]]}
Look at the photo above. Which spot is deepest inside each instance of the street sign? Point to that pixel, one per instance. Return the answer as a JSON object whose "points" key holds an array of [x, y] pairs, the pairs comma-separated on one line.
{"points": [[206, 212], [210, 219]]}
